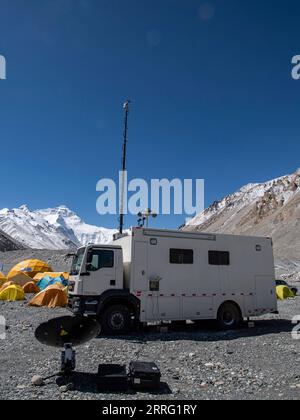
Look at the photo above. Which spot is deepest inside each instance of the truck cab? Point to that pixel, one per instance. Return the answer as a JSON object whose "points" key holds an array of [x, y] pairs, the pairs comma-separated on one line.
{"points": [[96, 288]]}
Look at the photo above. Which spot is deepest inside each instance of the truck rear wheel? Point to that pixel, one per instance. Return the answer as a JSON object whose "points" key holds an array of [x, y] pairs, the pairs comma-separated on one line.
{"points": [[229, 316], [116, 320]]}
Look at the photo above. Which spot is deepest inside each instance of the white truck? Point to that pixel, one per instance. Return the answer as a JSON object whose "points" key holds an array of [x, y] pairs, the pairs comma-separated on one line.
{"points": [[153, 275]]}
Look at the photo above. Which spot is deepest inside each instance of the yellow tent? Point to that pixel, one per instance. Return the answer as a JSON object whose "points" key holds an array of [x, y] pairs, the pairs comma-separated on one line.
{"points": [[52, 297], [5, 285], [12, 293], [30, 267], [3, 279], [40, 276], [20, 279], [284, 292], [31, 287]]}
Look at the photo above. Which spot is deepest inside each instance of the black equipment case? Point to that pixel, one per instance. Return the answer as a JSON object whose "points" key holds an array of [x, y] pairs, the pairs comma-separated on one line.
{"points": [[112, 378], [144, 376]]}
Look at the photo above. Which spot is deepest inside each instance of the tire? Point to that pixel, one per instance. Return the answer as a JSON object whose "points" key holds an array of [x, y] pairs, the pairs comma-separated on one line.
{"points": [[229, 316], [116, 320]]}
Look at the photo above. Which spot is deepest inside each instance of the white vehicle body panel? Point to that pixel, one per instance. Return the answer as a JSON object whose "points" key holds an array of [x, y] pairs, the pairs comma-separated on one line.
{"points": [[196, 291]]}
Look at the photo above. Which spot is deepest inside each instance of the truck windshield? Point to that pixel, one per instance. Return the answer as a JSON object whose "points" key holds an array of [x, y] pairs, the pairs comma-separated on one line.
{"points": [[77, 262]]}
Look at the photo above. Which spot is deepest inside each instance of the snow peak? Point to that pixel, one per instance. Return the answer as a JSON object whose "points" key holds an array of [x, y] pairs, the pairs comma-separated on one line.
{"points": [[2, 68]]}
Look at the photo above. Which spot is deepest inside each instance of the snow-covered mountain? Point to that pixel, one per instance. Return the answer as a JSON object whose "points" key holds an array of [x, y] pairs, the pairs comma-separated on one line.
{"points": [[268, 209], [57, 228], [8, 244]]}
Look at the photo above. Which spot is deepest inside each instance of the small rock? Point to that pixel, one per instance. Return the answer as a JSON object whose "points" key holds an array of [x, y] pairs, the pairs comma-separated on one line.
{"points": [[209, 365], [64, 388], [37, 380]]}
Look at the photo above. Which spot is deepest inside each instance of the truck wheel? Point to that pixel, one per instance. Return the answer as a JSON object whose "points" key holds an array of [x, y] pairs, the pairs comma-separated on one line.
{"points": [[229, 316], [116, 320]]}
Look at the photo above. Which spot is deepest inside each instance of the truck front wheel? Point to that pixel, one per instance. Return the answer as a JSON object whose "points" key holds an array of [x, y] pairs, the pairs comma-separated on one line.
{"points": [[116, 320]]}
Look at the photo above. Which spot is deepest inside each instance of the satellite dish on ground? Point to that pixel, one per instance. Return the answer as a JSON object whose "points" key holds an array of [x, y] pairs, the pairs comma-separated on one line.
{"points": [[66, 332]]}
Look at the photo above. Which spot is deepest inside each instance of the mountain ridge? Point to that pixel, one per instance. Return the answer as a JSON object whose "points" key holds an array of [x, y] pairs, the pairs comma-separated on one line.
{"points": [[271, 209], [53, 228]]}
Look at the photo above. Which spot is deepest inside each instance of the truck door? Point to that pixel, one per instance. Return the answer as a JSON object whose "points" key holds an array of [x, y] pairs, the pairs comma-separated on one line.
{"points": [[100, 272], [140, 271], [265, 293]]}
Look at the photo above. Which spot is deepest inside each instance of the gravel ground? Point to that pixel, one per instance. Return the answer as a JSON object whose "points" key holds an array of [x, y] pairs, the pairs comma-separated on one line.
{"points": [[58, 260], [196, 362]]}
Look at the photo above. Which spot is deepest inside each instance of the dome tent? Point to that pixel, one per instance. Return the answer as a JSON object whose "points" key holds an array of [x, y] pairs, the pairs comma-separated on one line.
{"points": [[31, 288], [284, 292], [39, 276], [5, 285], [49, 281], [3, 279], [30, 267], [52, 297], [12, 293], [20, 279]]}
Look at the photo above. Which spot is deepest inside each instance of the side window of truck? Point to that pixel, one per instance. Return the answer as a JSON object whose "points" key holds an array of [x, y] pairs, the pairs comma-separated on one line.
{"points": [[181, 256], [219, 258], [98, 259]]}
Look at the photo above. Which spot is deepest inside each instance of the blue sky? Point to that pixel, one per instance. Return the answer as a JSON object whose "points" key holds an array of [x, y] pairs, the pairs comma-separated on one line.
{"points": [[210, 84]]}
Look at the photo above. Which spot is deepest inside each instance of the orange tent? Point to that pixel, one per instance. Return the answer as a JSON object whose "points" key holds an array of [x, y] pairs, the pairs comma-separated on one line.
{"points": [[3, 279], [20, 279], [31, 287], [30, 267], [52, 297]]}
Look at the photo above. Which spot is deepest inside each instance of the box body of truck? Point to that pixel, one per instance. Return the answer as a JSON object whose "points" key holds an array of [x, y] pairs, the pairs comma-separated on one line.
{"points": [[176, 275]]}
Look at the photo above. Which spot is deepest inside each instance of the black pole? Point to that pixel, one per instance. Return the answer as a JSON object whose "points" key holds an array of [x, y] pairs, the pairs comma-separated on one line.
{"points": [[126, 107]]}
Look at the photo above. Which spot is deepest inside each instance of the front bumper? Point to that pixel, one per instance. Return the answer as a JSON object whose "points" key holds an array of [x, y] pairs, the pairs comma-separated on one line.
{"points": [[83, 305]]}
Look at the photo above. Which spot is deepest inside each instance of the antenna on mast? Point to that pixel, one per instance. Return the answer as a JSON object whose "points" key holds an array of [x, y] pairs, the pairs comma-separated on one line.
{"points": [[126, 108]]}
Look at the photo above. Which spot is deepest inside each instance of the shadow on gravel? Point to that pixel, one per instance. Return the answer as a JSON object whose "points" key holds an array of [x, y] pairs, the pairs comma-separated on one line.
{"points": [[207, 331], [87, 383]]}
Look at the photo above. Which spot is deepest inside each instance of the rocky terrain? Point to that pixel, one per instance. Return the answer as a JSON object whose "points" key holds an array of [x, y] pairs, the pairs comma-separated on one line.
{"points": [[196, 362], [7, 243], [58, 260], [268, 209]]}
